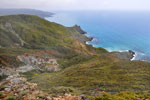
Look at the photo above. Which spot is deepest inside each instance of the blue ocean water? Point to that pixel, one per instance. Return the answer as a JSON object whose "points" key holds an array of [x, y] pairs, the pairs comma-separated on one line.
{"points": [[112, 30]]}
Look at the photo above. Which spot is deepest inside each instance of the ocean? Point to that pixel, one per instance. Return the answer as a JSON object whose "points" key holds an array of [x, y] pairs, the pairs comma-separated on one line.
{"points": [[112, 30]]}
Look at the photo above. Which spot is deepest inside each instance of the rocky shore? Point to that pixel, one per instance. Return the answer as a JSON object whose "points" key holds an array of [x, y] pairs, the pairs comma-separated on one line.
{"points": [[128, 55]]}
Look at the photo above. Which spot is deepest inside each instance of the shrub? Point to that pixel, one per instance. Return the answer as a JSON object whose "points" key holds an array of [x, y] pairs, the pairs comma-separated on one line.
{"points": [[124, 96], [11, 98]]}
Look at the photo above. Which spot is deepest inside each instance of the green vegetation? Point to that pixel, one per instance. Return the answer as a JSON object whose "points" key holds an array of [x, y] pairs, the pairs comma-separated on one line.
{"points": [[101, 50], [36, 33], [21, 34], [15, 51], [98, 73], [11, 98], [125, 96], [1, 78], [85, 70]]}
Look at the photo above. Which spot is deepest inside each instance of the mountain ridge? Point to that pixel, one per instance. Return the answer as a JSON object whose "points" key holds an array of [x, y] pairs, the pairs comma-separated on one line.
{"points": [[42, 14]]}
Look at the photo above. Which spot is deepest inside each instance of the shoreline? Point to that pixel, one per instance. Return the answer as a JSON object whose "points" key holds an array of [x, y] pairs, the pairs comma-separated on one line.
{"points": [[90, 40], [132, 53], [134, 56]]}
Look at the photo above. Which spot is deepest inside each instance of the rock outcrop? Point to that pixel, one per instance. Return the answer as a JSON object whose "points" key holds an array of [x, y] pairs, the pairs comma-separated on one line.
{"points": [[18, 87], [128, 55], [37, 63], [78, 28]]}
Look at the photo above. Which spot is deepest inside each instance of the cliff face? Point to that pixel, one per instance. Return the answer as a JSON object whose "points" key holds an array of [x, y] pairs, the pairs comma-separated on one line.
{"points": [[37, 55]]}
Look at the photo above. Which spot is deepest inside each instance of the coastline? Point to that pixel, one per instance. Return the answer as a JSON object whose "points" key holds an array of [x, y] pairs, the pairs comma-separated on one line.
{"points": [[90, 40], [132, 54], [122, 54], [109, 43]]}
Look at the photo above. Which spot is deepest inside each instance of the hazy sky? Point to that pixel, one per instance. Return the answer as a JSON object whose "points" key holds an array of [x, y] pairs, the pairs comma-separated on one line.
{"points": [[78, 4]]}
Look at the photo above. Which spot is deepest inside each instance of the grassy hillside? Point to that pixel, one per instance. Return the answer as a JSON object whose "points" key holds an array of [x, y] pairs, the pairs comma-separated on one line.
{"points": [[98, 73], [84, 69], [32, 32], [21, 34], [125, 96]]}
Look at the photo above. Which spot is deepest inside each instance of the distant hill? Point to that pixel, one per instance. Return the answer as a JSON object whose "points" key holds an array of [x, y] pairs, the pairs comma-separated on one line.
{"points": [[25, 11]]}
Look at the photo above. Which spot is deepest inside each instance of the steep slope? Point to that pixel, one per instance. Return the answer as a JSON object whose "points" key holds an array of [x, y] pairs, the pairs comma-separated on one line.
{"points": [[21, 34], [30, 42], [31, 31]]}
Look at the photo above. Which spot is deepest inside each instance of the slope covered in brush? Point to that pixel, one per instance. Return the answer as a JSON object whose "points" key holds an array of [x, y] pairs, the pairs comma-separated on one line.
{"points": [[32, 32], [82, 69], [98, 73], [21, 34]]}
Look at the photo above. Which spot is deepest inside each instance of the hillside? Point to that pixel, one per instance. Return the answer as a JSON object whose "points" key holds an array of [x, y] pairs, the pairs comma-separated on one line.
{"points": [[98, 74], [33, 32], [56, 60], [42, 14]]}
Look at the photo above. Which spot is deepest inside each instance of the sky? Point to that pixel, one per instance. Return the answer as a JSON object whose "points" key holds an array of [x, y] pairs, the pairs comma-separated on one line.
{"points": [[77, 4]]}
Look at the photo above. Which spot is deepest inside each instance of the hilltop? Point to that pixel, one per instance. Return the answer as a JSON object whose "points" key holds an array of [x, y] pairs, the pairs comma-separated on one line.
{"points": [[55, 60], [42, 14]]}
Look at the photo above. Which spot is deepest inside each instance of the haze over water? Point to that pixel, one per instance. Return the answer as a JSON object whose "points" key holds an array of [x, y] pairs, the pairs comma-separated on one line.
{"points": [[113, 30]]}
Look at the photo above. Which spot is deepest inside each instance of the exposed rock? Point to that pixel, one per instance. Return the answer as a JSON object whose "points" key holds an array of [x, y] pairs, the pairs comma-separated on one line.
{"points": [[131, 52], [7, 71], [128, 55], [25, 68], [18, 87], [78, 28], [37, 63]]}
